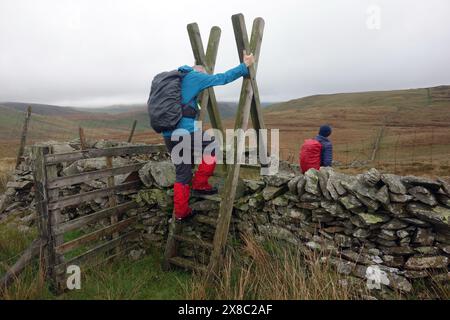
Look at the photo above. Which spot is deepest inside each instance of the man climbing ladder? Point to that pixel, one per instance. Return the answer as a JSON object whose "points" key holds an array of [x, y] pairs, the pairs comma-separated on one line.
{"points": [[193, 81]]}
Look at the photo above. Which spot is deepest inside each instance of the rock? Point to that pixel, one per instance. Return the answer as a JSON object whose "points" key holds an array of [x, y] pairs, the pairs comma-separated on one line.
{"points": [[254, 185], [361, 233], [386, 243], [334, 229], [277, 180], [342, 240], [292, 185], [402, 234], [423, 195], [271, 192], [205, 205], [312, 182], [400, 197], [357, 257], [371, 205], [398, 251], [424, 237], [382, 195], [308, 197], [394, 224], [92, 164], [396, 209], [427, 251], [375, 273], [297, 214], [153, 197], [355, 186], [323, 180], [422, 263], [445, 183], [136, 254], [308, 205], [162, 173], [278, 232], [394, 261], [394, 183], [332, 208], [372, 218], [387, 235], [422, 182], [350, 202], [371, 177], [444, 248], [280, 201], [416, 222], [437, 215], [443, 199], [301, 185]]}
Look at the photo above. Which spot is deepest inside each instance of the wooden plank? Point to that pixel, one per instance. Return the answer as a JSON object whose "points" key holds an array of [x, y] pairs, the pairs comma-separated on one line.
{"points": [[200, 59], [116, 227], [229, 193], [187, 264], [92, 253], [87, 196], [210, 61], [171, 244], [55, 216], [41, 196], [194, 241], [112, 198], [32, 251], [92, 175], [133, 128], [85, 220], [107, 152], [205, 220], [254, 47], [23, 138]]}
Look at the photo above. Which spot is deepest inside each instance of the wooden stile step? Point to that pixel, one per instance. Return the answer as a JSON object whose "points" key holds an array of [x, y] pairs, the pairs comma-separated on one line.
{"points": [[193, 241], [205, 220], [187, 264]]}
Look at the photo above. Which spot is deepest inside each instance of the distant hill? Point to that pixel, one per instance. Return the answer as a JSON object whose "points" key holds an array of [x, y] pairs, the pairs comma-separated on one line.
{"points": [[399, 98], [42, 109]]}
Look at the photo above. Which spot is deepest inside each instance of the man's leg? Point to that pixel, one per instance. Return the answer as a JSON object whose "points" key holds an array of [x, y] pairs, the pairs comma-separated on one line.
{"points": [[205, 170], [181, 188]]}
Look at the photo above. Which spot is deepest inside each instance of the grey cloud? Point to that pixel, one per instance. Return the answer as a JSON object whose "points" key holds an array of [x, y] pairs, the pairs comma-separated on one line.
{"points": [[105, 52]]}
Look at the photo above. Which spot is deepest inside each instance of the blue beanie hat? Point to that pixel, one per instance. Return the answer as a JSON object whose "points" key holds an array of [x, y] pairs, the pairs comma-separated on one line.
{"points": [[325, 130]]}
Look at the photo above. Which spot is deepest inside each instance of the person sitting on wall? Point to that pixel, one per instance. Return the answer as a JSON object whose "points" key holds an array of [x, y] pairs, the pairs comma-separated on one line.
{"points": [[317, 152]]}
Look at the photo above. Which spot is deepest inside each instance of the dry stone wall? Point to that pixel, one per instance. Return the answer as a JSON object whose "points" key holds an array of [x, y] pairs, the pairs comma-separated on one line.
{"points": [[398, 224]]}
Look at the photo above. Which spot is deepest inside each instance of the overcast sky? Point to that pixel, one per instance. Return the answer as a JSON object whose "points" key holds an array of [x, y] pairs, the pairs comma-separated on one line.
{"points": [[103, 52]]}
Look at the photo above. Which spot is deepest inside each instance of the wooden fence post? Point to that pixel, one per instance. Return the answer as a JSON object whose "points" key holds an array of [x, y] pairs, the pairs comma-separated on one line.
{"points": [[83, 143], [112, 199], [47, 218], [23, 139], [130, 137]]}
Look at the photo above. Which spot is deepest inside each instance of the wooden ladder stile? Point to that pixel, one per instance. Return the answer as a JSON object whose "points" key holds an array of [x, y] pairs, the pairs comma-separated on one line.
{"points": [[249, 104]]}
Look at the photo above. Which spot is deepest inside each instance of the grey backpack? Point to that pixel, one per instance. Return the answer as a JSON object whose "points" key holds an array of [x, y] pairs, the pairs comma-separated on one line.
{"points": [[164, 103]]}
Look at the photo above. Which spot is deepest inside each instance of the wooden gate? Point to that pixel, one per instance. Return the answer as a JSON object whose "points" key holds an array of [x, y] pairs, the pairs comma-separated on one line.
{"points": [[104, 242]]}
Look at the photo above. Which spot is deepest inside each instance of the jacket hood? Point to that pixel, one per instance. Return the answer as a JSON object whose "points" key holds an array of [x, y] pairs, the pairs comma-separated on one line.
{"points": [[321, 138], [185, 69]]}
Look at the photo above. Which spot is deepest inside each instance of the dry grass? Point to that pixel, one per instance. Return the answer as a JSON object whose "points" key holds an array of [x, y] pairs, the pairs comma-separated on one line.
{"points": [[6, 169], [275, 271]]}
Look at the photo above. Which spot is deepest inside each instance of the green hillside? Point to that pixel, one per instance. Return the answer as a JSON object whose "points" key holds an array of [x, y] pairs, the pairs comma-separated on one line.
{"points": [[398, 98]]}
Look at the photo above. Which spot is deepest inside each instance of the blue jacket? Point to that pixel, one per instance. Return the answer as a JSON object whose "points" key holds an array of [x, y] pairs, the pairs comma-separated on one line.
{"points": [[195, 82], [326, 157]]}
